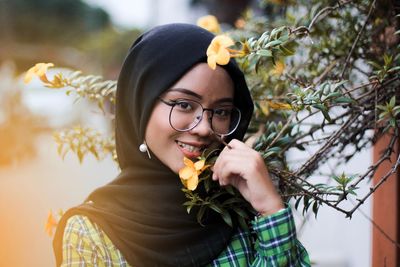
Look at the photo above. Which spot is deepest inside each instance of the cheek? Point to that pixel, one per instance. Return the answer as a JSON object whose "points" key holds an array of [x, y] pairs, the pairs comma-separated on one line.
{"points": [[160, 138], [158, 127]]}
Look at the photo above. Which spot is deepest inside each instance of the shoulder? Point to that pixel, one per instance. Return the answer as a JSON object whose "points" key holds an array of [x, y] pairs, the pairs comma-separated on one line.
{"points": [[79, 224], [80, 228]]}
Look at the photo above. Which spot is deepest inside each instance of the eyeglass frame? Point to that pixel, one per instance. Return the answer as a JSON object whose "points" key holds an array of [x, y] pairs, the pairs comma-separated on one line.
{"points": [[212, 110]]}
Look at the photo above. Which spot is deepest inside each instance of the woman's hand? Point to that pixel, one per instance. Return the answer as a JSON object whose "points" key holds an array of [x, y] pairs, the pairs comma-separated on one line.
{"points": [[244, 168]]}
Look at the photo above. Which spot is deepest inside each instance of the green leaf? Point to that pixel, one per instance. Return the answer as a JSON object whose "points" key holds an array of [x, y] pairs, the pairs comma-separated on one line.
{"points": [[264, 53], [306, 203], [188, 209], [392, 101], [332, 95], [374, 64], [227, 218], [297, 203], [240, 212], [315, 208], [300, 147], [60, 149], [338, 85], [392, 122], [320, 106], [216, 208], [270, 137], [230, 190], [283, 141], [231, 201], [243, 224], [80, 155], [200, 214], [92, 149], [387, 59], [343, 99], [273, 43], [396, 110], [394, 69], [381, 107]]}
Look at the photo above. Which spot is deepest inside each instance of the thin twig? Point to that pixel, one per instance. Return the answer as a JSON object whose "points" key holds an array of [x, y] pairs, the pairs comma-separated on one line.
{"points": [[281, 131], [325, 72], [324, 10], [384, 157], [357, 39], [327, 146], [381, 181], [374, 224], [221, 139]]}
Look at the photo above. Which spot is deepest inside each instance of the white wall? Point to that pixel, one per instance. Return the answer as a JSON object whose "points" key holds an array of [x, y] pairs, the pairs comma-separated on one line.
{"points": [[334, 240]]}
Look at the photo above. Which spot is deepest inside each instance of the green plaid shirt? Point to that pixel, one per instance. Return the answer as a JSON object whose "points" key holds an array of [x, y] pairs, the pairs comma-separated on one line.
{"points": [[85, 244]]}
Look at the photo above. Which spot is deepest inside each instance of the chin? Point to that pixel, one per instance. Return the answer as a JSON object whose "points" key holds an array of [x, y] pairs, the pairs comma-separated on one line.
{"points": [[177, 165]]}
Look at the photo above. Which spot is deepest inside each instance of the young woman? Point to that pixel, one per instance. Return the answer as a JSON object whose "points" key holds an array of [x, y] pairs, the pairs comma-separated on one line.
{"points": [[171, 105]]}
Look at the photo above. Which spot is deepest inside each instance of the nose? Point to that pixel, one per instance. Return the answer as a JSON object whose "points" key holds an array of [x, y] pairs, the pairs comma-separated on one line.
{"points": [[204, 126]]}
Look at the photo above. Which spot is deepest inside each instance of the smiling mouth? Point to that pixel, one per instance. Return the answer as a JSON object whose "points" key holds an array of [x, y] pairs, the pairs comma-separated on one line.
{"points": [[191, 149]]}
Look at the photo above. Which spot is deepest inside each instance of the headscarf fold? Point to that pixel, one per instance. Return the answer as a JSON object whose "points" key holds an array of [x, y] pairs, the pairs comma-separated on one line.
{"points": [[142, 210]]}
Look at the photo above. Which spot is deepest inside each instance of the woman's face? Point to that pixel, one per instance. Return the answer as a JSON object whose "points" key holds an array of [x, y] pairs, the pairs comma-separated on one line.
{"points": [[211, 88]]}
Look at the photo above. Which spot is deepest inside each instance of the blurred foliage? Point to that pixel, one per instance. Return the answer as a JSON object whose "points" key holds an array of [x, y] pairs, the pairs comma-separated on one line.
{"points": [[19, 128], [84, 141], [324, 76], [68, 32], [41, 21]]}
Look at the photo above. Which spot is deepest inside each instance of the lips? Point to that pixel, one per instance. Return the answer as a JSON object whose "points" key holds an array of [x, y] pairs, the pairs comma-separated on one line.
{"points": [[191, 150]]}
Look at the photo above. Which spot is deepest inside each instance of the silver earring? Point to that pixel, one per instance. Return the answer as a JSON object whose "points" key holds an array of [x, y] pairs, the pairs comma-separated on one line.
{"points": [[143, 148]]}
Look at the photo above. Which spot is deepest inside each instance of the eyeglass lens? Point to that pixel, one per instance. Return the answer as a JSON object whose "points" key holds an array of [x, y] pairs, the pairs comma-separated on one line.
{"points": [[187, 114]]}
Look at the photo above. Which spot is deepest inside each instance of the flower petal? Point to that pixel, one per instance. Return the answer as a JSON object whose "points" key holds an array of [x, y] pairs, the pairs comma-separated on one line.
{"points": [[199, 164], [40, 70], [278, 69], [279, 105], [192, 182], [188, 162], [186, 173], [51, 223], [29, 75], [212, 61], [205, 167], [209, 23], [223, 56], [223, 40]]}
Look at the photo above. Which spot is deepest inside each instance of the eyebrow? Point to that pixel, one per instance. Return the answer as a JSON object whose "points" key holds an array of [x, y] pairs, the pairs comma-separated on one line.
{"points": [[199, 97]]}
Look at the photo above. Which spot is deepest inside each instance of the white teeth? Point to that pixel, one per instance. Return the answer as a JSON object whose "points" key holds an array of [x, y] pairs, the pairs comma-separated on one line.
{"points": [[189, 147]]}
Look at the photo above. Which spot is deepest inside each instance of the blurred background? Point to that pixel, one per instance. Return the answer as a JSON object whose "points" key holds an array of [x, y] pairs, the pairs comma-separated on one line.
{"points": [[93, 36]]}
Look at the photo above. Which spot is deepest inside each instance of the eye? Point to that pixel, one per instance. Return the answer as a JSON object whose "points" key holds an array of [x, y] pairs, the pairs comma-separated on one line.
{"points": [[223, 112], [183, 105]]}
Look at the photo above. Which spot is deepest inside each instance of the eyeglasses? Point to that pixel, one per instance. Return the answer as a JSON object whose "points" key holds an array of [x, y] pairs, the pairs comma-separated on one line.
{"points": [[186, 114]]}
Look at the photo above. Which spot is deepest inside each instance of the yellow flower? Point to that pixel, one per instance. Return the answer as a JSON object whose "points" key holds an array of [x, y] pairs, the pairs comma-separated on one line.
{"points": [[58, 81], [264, 108], [40, 70], [267, 105], [278, 69], [190, 173], [50, 224], [217, 51], [210, 23], [279, 105]]}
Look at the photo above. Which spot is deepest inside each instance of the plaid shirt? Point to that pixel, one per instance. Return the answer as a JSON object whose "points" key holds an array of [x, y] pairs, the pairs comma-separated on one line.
{"points": [[85, 244]]}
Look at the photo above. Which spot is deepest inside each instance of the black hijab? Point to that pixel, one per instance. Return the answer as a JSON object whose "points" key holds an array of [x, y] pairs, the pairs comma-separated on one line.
{"points": [[141, 210]]}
